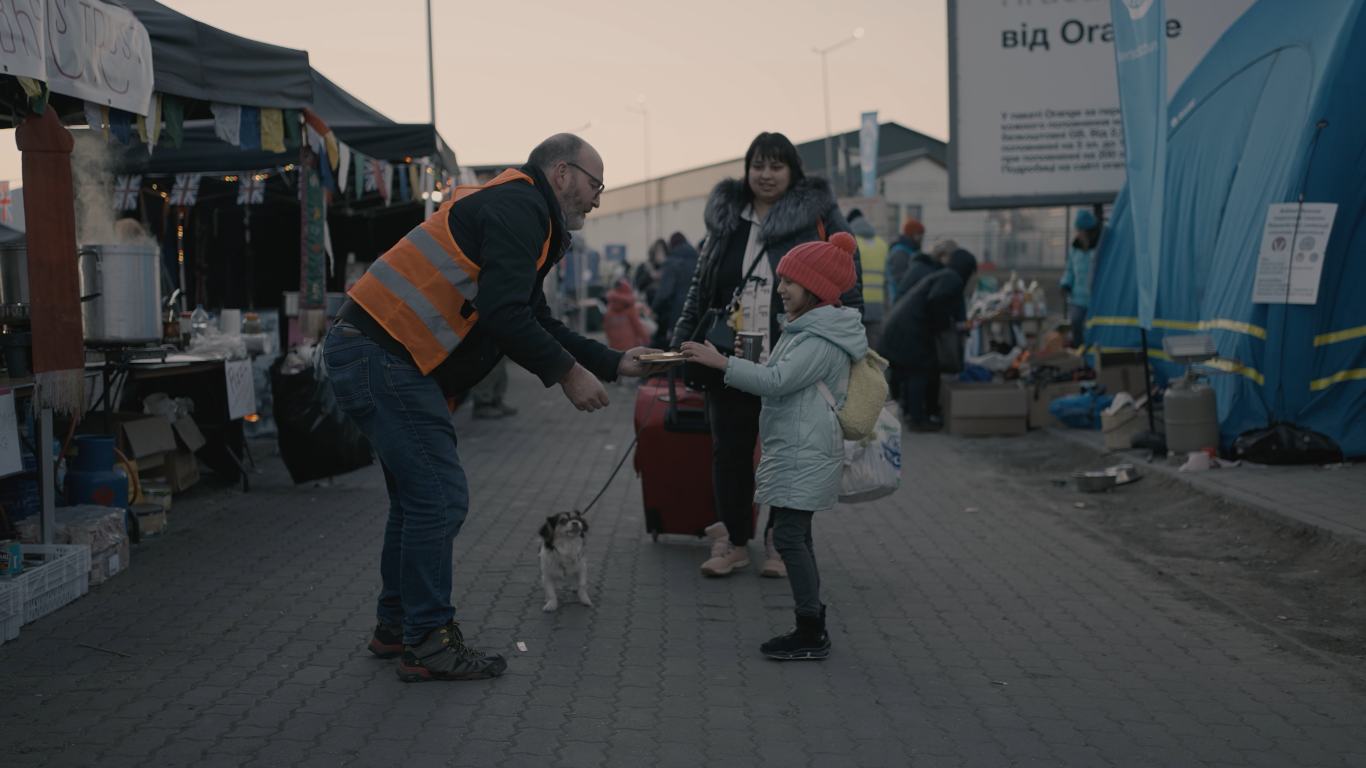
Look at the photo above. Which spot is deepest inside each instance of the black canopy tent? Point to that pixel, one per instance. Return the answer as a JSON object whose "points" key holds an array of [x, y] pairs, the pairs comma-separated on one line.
{"points": [[197, 62]]}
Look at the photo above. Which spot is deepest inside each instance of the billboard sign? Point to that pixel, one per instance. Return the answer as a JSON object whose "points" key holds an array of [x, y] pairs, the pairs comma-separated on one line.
{"points": [[1033, 102]]}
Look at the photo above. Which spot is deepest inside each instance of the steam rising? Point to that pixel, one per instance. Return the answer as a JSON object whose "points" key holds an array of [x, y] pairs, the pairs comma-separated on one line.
{"points": [[92, 175]]}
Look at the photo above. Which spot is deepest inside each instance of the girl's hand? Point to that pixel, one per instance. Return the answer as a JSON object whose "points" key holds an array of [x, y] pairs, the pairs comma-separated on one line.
{"points": [[706, 355]]}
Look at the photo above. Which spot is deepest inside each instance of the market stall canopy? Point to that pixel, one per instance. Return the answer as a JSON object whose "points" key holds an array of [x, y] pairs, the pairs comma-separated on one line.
{"points": [[199, 63], [354, 122], [1272, 113]]}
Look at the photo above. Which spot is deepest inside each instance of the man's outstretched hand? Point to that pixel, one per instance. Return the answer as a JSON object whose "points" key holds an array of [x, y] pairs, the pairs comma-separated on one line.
{"points": [[584, 389], [630, 366]]}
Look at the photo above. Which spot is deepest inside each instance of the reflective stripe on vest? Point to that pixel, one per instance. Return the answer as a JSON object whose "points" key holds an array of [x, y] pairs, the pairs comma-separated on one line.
{"points": [[422, 290]]}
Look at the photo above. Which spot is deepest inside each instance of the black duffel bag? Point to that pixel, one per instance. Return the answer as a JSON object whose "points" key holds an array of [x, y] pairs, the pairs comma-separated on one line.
{"points": [[317, 439], [1282, 442]]}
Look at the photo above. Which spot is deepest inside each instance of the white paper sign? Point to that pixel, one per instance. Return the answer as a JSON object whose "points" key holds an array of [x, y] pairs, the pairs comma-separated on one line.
{"points": [[1290, 262], [241, 388], [10, 463], [82, 48]]}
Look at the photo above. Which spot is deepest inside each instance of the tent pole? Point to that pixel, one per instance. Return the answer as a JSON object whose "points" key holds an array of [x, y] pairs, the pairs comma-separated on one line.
{"points": [[1147, 381]]}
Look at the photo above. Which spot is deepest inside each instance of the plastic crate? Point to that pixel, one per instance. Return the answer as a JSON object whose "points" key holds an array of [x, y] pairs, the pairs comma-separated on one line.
{"points": [[11, 608], [62, 576]]}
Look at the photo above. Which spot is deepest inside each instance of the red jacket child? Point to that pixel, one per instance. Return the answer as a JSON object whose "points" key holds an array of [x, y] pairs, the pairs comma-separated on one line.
{"points": [[622, 323]]}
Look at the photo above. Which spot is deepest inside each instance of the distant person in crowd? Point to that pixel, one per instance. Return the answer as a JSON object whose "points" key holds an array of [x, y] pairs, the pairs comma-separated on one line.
{"points": [[903, 251], [489, 392], [802, 456], [924, 264], [1076, 278], [674, 281], [622, 321], [751, 224], [873, 253], [647, 277], [935, 304], [418, 329]]}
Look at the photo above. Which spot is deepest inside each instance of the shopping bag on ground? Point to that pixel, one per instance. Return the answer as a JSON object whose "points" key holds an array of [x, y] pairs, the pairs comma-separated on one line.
{"points": [[317, 440], [872, 466]]}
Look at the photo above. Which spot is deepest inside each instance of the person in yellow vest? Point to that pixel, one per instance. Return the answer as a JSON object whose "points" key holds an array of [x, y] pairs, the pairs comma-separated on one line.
{"points": [[873, 254], [427, 322]]}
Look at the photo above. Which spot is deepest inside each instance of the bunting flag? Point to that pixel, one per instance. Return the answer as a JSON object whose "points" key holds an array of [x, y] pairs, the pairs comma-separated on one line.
{"points": [[344, 166], [121, 125], [126, 189], [5, 202], [361, 167], [272, 130], [386, 188], [251, 189], [249, 134], [185, 191], [292, 120], [94, 117], [414, 180], [173, 114], [374, 176], [403, 176], [329, 139], [328, 183], [227, 122], [104, 120]]}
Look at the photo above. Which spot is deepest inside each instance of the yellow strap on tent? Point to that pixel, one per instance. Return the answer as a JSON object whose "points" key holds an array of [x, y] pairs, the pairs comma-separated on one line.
{"points": [[1351, 374], [1336, 336], [1187, 325]]}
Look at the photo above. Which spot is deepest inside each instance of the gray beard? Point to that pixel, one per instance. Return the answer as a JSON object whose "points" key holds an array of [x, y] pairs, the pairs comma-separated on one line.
{"points": [[574, 215], [574, 221]]}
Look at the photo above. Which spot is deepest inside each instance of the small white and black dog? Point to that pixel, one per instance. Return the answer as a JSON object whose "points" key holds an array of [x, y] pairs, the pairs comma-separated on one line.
{"points": [[562, 555]]}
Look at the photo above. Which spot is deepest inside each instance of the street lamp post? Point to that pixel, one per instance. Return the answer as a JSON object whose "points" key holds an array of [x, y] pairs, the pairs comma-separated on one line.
{"points": [[825, 87], [431, 68], [640, 109]]}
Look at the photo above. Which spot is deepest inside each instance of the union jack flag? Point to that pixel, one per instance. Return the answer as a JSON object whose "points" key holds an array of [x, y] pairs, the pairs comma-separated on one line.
{"points": [[185, 191], [5, 202], [374, 175], [126, 189], [251, 189]]}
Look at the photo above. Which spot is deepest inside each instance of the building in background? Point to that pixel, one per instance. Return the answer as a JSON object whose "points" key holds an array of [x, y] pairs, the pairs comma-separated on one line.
{"points": [[912, 180]]}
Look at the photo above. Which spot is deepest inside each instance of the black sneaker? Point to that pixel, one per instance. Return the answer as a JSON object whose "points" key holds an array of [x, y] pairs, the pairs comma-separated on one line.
{"points": [[443, 655], [807, 640], [387, 641]]}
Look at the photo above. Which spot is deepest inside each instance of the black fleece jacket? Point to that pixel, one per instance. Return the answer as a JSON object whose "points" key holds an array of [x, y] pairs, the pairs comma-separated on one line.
{"points": [[502, 230]]}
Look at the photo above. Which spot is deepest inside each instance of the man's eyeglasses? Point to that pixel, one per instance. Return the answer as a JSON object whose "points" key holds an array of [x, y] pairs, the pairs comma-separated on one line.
{"points": [[598, 186]]}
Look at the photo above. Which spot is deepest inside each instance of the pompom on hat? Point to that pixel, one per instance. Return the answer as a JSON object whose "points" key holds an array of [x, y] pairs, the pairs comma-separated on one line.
{"points": [[826, 269]]}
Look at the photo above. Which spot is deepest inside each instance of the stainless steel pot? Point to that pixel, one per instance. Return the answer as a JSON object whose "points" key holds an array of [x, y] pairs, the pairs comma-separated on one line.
{"points": [[13, 281], [120, 293]]}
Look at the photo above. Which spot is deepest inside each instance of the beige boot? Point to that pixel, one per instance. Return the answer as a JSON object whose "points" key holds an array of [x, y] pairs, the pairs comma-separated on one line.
{"points": [[773, 562], [725, 557]]}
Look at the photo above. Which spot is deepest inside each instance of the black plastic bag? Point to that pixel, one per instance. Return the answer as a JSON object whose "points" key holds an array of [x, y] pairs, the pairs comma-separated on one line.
{"points": [[317, 439], [1282, 442]]}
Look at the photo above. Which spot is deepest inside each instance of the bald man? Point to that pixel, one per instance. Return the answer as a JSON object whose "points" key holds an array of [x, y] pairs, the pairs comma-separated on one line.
{"points": [[429, 320]]}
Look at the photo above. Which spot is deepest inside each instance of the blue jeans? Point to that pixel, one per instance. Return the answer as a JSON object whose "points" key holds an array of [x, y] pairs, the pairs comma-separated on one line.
{"points": [[405, 417], [1078, 320]]}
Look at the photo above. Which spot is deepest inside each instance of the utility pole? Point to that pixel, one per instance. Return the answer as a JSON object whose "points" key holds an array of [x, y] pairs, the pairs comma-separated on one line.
{"points": [[431, 67], [825, 89]]}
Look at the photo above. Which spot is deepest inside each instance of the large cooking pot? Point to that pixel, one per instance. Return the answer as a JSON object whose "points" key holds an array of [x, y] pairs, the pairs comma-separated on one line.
{"points": [[120, 293], [13, 281]]}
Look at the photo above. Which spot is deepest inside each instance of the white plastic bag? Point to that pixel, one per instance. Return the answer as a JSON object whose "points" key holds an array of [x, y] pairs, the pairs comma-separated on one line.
{"points": [[872, 466]]}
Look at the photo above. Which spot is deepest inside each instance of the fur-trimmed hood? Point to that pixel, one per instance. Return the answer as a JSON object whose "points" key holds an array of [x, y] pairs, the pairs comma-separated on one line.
{"points": [[807, 201]]}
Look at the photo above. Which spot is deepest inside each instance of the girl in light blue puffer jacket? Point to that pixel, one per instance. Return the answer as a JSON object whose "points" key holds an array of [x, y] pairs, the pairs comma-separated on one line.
{"points": [[802, 443]]}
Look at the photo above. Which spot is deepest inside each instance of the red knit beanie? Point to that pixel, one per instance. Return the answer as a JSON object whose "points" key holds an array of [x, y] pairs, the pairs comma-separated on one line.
{"points": [[825, 269], [912, 227]]}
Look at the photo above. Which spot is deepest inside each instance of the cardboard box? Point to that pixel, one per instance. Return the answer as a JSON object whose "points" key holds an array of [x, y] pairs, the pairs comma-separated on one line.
{"points": [[181, 470], [142, 438], [1121, 427], [1041, 397], [188, 435], [1065, 360], [1122, 378], [107, 563], [985, 409]]}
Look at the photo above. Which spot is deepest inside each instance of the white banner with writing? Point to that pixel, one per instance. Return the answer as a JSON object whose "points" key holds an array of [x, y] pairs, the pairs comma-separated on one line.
{"points": [[82, 48]]}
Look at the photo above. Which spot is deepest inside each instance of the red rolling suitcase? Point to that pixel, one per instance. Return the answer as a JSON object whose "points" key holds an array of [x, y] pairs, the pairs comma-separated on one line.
{"points": [[673, 457]]}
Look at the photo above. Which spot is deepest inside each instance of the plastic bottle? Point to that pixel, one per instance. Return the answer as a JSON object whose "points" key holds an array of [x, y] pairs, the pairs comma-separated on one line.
{"points": [[1016, 296], [199, 321]]}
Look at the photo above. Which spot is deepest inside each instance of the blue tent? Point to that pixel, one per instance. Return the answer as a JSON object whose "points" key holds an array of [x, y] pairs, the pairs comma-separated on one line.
{"points": [[1244, 134]]}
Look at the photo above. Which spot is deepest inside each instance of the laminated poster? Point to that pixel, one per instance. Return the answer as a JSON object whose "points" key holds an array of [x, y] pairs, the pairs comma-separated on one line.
{"points": [[1290, 261]]}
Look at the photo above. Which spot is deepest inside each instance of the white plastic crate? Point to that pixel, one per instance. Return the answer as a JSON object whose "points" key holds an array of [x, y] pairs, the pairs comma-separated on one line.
{"points": [[63, 576], [11, 609]]}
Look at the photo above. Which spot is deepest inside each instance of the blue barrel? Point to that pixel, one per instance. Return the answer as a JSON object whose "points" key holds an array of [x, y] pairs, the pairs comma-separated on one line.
{"points": [[92, 478]]}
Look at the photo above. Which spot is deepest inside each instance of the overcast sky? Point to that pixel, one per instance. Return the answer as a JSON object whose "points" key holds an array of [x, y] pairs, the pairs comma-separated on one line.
{"points": [[714, 72]]}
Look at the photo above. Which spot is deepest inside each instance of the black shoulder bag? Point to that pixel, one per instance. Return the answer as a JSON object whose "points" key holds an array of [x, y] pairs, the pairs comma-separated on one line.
{"points": [[714, 326]]}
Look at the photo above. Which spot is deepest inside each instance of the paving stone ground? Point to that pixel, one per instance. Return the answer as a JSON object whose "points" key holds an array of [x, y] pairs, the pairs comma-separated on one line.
{"points": [[997, 637]]}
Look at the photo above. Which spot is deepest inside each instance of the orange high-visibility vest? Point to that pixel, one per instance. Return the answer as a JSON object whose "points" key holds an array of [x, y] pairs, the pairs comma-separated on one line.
{"points": [[422, 290]]}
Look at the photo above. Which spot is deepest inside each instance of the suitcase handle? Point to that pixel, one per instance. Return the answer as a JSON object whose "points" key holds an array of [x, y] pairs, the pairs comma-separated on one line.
{"points": [[687, 420]]}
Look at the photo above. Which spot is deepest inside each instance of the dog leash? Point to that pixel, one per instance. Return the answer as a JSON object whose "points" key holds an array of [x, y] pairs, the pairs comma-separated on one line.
{"points": [[624, 456]]}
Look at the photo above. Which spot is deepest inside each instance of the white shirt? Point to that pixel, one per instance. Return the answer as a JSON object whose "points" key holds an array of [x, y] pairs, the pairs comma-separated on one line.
{"points": [[756, 294]]}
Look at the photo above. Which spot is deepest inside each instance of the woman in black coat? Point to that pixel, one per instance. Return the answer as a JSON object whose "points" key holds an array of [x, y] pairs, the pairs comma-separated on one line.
{"points": [[751, 224], [935, 304]]}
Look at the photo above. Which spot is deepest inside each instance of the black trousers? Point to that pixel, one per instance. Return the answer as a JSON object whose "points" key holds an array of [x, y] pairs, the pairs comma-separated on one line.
{"points": [[734, 417], [917, 391]]}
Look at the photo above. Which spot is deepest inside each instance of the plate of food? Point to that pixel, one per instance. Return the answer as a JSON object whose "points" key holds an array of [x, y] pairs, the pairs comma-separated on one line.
{"points": [[655, 357]]}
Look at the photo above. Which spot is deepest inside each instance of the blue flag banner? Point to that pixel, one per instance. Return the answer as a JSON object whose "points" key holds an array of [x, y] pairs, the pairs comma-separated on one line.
{"points": [[1141, 65], [867, 153]]}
